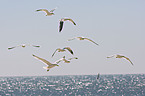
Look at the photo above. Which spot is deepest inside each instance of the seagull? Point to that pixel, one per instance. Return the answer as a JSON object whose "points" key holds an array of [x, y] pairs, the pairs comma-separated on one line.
{"points": [[62, 50], [67, 61], [50, 65], [62, 21], [23, 45], [47, 12], [82, 38], [120, 56]]}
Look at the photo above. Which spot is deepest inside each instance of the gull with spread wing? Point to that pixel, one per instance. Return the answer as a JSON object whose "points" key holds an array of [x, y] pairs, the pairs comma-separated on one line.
{"points": [[47, 12], [23, 45], [62, 21], [62, 50], [120, 56], [50, 65], [82, 38]]}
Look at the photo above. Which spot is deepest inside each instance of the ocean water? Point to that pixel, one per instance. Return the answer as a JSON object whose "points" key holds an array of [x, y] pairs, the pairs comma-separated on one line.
{"points": [[74, 85]]}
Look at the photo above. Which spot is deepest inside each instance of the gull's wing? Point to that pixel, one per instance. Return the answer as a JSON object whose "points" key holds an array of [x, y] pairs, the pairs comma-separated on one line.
{"points": [[128, 60], [30, 45], [71, 39], [53, 9], [60, 26], [35, 46], [73, 58], [11, 47], [54, 53], [111, 56], [70, 20], [14, 47], [58, 61], [45, 10], [69, 49], [91, 41], [43, 60]]}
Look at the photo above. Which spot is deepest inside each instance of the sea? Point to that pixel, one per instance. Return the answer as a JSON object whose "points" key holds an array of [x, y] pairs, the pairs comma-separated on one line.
{"points": [[74, 85]]}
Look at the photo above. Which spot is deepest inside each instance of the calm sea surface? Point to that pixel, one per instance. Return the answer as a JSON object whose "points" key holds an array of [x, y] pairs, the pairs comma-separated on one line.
{"points": [[74, 85]]}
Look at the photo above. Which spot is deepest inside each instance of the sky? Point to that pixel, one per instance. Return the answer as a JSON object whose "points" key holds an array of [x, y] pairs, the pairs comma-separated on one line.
{"points": [[118, 26]]}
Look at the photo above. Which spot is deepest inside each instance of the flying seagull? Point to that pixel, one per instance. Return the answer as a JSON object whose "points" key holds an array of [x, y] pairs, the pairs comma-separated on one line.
{"points": [[120, 56], [62, 50], [67, 61], [23, 45], [82, 38], [50, 65], [47, 12], [62, 21]]}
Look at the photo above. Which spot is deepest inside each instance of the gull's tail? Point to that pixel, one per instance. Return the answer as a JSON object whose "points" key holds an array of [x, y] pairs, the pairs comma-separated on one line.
{"points": [[45, 67]]}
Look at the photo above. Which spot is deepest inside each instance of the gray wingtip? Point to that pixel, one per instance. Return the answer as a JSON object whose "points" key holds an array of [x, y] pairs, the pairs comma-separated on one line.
{"points": [[63, 57], [52, 55], [132, 64], [36, 46], [10, 48], [37, 10]]}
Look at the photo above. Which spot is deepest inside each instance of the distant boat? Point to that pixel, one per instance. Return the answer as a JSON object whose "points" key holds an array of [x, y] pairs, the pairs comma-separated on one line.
{"points": [[98, 76], [23, 45], [62, 21], [82, 38], [120, 56]]}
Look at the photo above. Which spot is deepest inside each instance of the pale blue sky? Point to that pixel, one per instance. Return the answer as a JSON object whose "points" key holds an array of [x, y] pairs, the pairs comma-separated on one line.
{"points": [[118, 26]]}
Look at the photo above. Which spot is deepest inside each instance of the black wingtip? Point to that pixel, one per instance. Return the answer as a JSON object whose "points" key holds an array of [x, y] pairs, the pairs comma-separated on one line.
{"points": [[72, 53], [60, 26]]}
